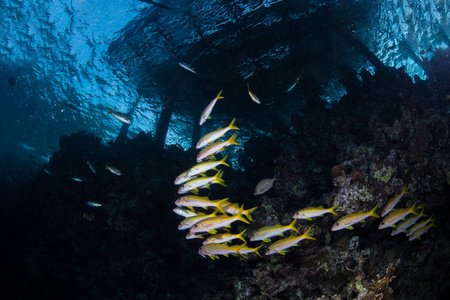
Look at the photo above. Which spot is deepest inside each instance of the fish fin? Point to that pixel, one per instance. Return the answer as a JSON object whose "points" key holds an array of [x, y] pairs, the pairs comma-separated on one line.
{"points": [[190, 208], [292, 226], [238, 249], [220, 203], [212, 231], [266, 240], [195, 191], [226, 255], [218, 178], [232, 140], [240, 217], [106, 167], [248, 212], [256, 250], [241, 235], [208, 117], [350, 227], [333, 210], [363, 221], [372, 212], [110, 111], [228, 226], [413, 209], [404, 191], [281, 234], [282, 252], [219, 95], [231, 126], [223, 161], [306, 234], [309, 219], [393, 226]]}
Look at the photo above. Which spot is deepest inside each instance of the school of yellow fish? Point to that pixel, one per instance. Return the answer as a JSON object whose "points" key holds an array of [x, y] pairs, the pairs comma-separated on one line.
{"points": [[214, 227]]}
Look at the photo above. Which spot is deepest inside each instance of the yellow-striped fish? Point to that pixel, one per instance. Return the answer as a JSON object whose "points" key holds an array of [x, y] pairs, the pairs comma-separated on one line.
{"points": [[419, 232], [348, 220], [206, 166], [420, 225], [395, 216], [191, 221], [216, 148], [191, 201], [233, 209], [211, 224], [214, 135], [198, 183], [246, 250], [393, 202], [214, 250], [184, 212], [267, 232], [403, 226], [282, 245], [208, 109], [183, 177], [224, 238], [311, 212]]}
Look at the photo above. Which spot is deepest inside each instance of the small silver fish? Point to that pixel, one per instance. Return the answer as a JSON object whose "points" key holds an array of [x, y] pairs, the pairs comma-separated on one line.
{"points": [[264, 185], [187, 67], [77, 179], [91, 167], [48, 172], [113, 170], [293, 84], [253, 96], [119, 116], [93, 204]]}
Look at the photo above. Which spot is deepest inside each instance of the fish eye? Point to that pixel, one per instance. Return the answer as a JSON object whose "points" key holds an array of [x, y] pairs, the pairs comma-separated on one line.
{"points": [[337, 223]]}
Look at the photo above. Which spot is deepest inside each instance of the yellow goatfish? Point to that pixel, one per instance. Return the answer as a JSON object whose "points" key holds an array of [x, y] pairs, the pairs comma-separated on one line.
{"points": [[191, 221], [183, 177], [293, 84], [204, 202], [187, 67], [184, 212], [393, 202], [246, 250], [311, 212], [214, 250], [253, 96], [403, 226], [221, 238], [396, 216], [216, 148], [282, 245], [119, 116], [206, 166], [214, 135], [348, 220], [201, 182], [419, 232], [211, 224], [420, 225], [267, 232], [208, 109], [233, 208]]}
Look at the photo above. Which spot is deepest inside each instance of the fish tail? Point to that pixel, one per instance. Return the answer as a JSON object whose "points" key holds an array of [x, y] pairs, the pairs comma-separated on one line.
{"points": [[238, 250], [223, 161], [240, 217], [219, 205], [241, 237], [106, 167], [307, 236], [110, 111], [256, 250], [333, 210], [218, 96], [373, 213], [218, 178], [292, 226], [248, 86], [413, 209], [231, 126], [248, 212], [405, 191], [232, 140]]}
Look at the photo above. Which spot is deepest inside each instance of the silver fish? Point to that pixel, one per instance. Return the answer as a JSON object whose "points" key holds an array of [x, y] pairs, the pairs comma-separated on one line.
{"points": [[113, 170], [93, 204], [91, 167], [264, 185], [187, 67]]}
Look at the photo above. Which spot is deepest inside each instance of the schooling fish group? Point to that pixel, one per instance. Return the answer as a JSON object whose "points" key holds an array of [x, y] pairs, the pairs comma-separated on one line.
{"points": [[202, 223]]}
